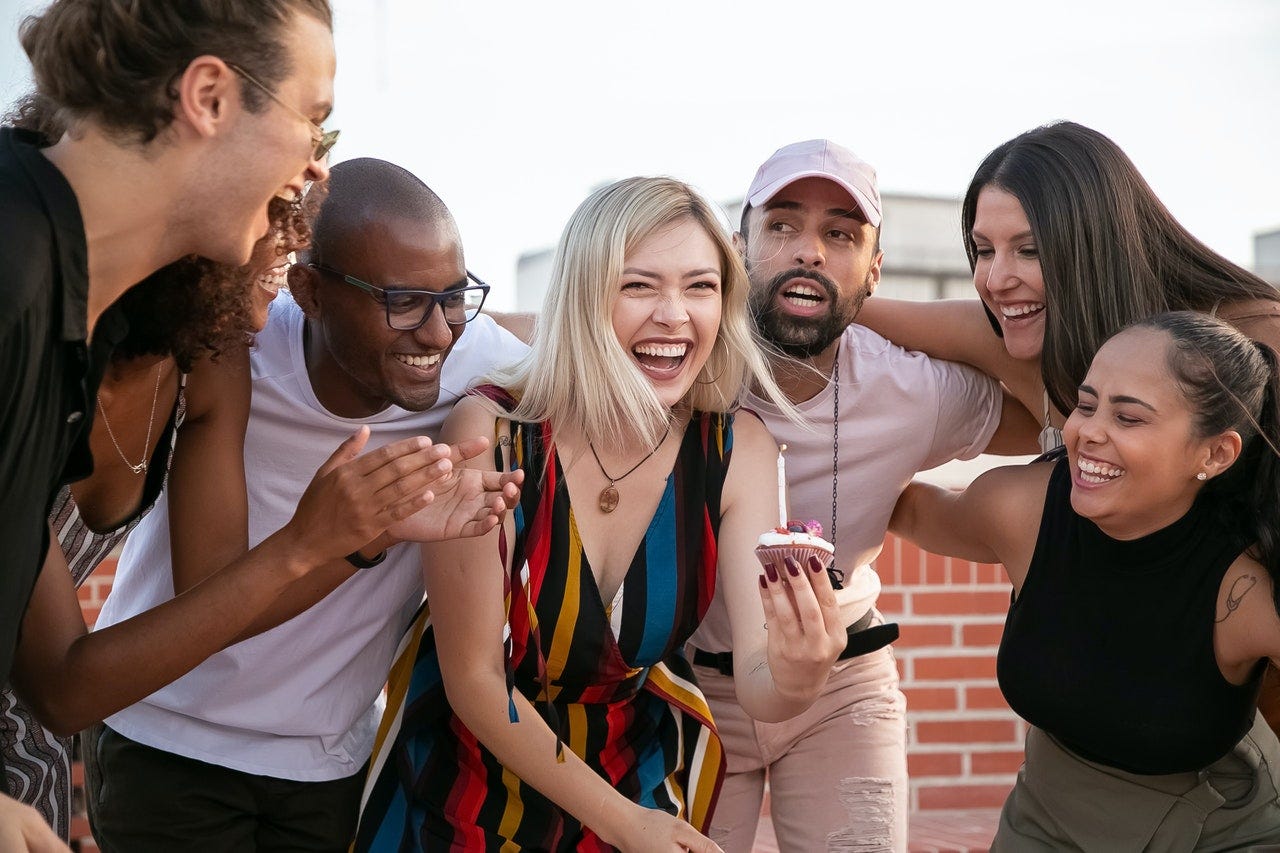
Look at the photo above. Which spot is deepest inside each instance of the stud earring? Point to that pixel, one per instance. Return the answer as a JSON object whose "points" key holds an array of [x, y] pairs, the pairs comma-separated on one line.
{"points": [[1202, 476]]}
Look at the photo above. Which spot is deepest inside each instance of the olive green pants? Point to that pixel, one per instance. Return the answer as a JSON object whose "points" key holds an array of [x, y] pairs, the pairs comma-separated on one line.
{"points": [[1063, 802]]}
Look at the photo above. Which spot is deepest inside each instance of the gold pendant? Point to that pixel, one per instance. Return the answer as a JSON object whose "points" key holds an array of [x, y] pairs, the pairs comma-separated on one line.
{"points": [[608, 499]]}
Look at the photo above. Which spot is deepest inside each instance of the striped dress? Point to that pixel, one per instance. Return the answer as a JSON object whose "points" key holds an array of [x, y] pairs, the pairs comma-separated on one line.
{"points": [[611, 680]]}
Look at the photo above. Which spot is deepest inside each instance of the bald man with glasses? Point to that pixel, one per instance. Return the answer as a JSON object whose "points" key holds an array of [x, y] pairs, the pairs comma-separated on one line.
{"points": [[267, 740]]}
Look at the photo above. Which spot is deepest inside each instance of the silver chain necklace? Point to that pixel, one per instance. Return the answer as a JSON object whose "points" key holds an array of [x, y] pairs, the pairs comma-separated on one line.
{"points": [[141, 467], [837, 574], [835, 446]]}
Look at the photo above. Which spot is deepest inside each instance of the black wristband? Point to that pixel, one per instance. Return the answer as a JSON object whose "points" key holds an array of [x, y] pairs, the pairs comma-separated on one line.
{"points": [[360, 562]]}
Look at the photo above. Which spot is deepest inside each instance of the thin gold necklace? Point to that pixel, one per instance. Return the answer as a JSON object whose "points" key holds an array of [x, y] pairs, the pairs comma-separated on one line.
{"points": [[609, 494], [141, 467]]}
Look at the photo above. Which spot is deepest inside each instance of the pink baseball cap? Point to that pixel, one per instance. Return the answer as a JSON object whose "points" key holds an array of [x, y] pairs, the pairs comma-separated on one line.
{"points": [[818, 158]]}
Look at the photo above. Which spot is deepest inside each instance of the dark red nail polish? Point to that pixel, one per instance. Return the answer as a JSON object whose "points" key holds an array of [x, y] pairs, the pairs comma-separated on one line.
{"points": [[793, 567], [771, 572], [815, 565], [764, 584]]}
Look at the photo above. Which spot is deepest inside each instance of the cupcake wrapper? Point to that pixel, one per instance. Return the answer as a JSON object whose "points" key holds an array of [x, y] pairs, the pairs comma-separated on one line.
{"points": [[767, 554]]}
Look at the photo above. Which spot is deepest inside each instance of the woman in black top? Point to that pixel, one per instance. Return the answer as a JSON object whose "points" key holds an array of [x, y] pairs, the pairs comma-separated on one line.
{"points": [[1144, 565]]}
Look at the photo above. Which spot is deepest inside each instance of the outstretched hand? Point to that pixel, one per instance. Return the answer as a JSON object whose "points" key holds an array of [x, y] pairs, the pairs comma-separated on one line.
{"points": [[468, 501], [806, 631], [353, 499]]}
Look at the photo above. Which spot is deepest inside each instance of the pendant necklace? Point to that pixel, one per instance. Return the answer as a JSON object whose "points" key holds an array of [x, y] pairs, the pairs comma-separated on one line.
{"points": [[141, 467], [609, 494]]}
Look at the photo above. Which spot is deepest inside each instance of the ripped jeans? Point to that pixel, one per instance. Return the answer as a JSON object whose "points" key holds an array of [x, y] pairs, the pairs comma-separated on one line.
{"points": [[837, 773]]}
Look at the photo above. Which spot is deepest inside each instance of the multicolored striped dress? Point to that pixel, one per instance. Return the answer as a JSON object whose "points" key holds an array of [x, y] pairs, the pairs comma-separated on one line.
{"points": [[610, 678]]}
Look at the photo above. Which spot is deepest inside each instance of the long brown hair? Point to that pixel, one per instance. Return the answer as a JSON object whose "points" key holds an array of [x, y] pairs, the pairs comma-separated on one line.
{"points": [[1110, 252]]}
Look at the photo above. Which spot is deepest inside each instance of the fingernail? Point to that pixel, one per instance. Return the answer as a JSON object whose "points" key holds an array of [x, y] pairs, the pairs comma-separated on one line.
{"points": [[815, 565], [793, 567], [764, 584], [771, 572]]}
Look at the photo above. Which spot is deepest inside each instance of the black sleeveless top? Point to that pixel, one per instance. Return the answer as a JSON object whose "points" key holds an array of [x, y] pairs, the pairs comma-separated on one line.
{"points": [[1109, 645]]}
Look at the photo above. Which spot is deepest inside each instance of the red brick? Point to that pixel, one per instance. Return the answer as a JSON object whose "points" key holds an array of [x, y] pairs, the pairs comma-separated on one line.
{"points": [[985, 763], [891, 603], [926, 635], [959, 603], [79, 825], [984, 698], [991, 573], [934, 764], [962, 796], [981, 634], [90, 614], [962, 572], [965, 731], [910, 564], [954, 667], [931, 698], [935, 569], [886, 565]]}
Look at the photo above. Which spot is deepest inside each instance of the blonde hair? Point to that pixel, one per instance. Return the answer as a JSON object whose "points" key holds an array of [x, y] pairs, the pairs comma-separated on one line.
{"points": [[578, 373]]}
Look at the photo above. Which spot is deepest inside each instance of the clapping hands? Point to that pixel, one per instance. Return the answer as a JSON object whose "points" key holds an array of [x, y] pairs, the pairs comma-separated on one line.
{"points": [[466, 501]]}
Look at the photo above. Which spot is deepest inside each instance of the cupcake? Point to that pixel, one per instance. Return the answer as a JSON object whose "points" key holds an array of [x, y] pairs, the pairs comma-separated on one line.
{"points": [[797, 540]]}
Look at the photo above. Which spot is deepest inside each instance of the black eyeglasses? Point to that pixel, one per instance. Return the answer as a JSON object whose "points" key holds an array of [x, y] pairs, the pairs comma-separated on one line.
{"points": [[409, 309], [324, 139]]}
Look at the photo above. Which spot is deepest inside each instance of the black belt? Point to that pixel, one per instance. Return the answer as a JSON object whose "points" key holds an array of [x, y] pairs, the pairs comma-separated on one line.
{"points": [[863, 638]]}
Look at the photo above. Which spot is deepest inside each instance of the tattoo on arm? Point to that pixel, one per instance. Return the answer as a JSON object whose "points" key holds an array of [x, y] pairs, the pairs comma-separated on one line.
{"points": [[1239, 589]]}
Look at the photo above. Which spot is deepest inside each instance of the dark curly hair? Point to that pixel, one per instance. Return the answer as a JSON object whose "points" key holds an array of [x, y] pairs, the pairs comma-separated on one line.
{"points": [[117, 61], [193, 307]]}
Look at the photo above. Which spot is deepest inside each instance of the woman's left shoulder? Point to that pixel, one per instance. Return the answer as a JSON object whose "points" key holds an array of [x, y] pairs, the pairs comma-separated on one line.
{"points": [[1246, 597]]}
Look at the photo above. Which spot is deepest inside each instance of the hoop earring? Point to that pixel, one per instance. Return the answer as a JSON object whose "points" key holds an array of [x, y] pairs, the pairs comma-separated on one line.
{"points": [[711, 381]]}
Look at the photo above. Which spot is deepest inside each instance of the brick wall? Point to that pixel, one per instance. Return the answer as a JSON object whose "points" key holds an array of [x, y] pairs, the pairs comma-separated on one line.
{"points": [[964, 745]]}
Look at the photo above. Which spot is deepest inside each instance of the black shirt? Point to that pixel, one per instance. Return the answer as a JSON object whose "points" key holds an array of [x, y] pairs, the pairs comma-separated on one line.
{"points": [[1109, 644], [48, 374]]}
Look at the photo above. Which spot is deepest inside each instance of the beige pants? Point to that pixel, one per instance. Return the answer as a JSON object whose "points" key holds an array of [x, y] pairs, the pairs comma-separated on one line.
{"points": [[1063, 802], [837, 773]]}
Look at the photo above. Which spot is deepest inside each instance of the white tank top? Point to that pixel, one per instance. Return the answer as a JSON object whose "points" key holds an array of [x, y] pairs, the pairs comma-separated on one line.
{"points": [[299, 701]]}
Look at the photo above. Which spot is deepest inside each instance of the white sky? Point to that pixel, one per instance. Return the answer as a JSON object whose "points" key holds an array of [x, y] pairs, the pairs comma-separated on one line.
{"points": [[513, 111]]}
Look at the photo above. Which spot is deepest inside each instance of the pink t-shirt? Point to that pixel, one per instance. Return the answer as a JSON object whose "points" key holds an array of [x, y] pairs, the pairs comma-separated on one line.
{"points": [[901, 413]]}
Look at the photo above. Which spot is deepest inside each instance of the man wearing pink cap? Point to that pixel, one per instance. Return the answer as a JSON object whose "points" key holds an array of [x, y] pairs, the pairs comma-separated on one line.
{"points": [[877, 415]]}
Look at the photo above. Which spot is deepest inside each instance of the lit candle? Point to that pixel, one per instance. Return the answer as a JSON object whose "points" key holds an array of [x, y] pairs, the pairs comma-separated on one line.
{"points": [[782, 488]]}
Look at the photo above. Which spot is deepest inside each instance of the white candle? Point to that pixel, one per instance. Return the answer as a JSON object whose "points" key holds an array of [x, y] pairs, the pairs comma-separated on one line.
{"points": [[782, 488]]}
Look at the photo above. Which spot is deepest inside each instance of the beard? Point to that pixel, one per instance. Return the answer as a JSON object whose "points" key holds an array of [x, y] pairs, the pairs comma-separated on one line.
{"points": [[803, 337]]}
